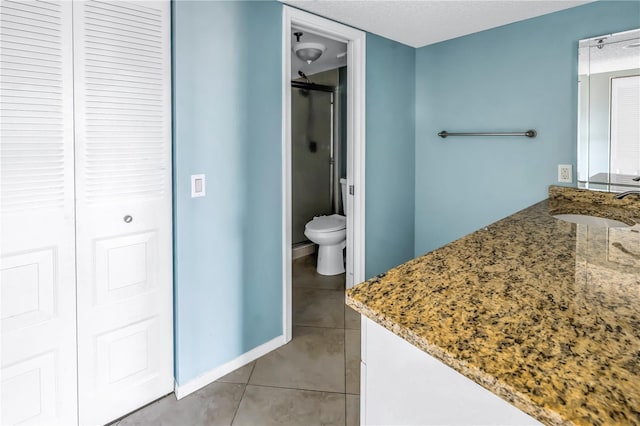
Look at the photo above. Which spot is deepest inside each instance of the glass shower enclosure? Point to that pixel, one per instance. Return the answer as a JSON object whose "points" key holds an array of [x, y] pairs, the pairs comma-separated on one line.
{"points": [[313, 152]]}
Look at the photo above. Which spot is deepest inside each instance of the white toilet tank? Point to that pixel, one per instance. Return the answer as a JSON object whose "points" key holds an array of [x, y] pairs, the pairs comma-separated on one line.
{"points": [[343, 188]]}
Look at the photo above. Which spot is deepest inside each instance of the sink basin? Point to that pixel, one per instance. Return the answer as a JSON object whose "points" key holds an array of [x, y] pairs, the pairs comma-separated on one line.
{"points": [[600, 222]]}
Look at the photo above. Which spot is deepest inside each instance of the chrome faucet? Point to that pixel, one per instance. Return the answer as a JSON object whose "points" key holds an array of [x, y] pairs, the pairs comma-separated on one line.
{"points": [[621, 195]]}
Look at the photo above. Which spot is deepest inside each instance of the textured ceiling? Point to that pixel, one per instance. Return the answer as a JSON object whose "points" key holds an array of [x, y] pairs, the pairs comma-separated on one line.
{"points": [[418, 23]]}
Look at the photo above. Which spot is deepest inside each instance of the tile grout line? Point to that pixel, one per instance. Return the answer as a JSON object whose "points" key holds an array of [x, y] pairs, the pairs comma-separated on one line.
{"points": [[320, 288], [344, 354], [320, 326], [341, 307], [244, 391], [342, 290], [298, 389], [235, 413]]}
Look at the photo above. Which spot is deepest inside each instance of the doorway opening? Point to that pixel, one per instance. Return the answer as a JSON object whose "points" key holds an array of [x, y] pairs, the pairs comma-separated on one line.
{"points": [[296, 21]]}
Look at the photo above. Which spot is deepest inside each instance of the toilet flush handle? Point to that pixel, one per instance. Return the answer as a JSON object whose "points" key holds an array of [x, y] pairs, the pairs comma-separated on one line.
{"points": [[128, 219]]}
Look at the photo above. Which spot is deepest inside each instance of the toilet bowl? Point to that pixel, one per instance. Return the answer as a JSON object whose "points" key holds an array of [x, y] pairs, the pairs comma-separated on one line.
{"points": [[330, 233]]}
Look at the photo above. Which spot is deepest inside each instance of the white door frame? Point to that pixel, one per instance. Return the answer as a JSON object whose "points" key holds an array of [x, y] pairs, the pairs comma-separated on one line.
{"points": [[355, 209]]}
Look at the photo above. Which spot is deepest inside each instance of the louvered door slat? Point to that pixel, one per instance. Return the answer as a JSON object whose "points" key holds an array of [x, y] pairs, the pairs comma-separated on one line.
{"points": [[24, 83]]}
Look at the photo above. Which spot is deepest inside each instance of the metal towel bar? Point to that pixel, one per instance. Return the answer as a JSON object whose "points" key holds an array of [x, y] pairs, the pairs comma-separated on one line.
{"points": [[529, 133]]}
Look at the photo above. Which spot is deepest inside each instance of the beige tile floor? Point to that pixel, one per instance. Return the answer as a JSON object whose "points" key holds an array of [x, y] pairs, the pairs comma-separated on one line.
{"points": [[313, 380]]}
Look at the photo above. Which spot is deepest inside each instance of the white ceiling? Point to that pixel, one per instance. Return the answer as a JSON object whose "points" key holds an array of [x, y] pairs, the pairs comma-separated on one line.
{"points": [[418, 23]]}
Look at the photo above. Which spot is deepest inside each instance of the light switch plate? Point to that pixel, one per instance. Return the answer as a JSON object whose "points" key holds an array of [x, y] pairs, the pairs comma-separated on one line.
{"points": [[198, 186]]}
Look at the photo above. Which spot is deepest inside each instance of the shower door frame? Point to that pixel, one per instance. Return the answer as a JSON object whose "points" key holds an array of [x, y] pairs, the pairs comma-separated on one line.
{"points": [[333, 172], [355, 209]]}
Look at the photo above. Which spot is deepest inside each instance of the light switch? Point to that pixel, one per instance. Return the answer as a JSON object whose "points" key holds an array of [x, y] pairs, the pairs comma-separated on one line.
{"points": [[197, 186]]}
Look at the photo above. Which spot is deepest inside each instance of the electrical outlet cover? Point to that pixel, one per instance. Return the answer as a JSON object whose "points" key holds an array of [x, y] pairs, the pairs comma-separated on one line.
{"points": [[565, 173]]}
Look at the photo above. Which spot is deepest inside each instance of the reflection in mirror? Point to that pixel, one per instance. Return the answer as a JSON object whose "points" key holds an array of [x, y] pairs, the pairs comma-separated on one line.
{"points": [[609, 112]]}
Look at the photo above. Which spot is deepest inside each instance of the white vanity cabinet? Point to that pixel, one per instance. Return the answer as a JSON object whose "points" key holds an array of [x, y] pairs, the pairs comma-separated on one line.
{"points": [[402, 385]]}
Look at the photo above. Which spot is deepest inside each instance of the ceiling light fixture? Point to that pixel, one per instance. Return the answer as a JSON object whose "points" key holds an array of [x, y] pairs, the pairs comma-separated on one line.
{"points": [[309, 52]]}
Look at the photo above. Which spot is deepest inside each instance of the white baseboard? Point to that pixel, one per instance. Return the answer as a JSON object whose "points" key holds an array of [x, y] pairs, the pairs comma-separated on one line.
{"points": [[211, 376], [303, 250]]}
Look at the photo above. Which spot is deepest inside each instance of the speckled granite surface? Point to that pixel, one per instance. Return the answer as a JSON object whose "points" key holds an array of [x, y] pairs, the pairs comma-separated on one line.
{"points": [[542, 312], [603, 204]]}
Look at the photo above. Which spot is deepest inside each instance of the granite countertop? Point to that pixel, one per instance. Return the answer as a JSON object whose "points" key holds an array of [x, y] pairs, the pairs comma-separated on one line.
{"points": [[542, 312]]}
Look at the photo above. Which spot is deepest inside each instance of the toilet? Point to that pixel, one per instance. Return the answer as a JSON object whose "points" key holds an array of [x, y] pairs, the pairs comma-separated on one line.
{"points": [[330, 233]]}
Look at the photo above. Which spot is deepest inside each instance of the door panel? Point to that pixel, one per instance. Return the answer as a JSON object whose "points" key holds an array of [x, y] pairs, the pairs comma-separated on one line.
{"points": [[123, 164], [37, 260], [28, 289], [29, 391], [123, 355], [124, 266]]}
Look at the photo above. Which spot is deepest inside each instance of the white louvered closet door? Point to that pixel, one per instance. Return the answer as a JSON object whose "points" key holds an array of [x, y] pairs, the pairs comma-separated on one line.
{"points": [[37, 260], [123, 206]]}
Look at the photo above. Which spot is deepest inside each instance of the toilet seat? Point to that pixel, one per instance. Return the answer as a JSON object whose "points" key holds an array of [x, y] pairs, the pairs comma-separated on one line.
{"points": [[332, 223]]}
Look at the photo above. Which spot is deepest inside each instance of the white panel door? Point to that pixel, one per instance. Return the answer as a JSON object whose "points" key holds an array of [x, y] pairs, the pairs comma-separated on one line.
{"points": [[37, 261], [123, 212]]}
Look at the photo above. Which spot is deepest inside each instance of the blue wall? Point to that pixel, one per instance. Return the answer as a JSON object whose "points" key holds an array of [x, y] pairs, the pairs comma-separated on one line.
{"points": [[227, 124], [390, 129], [515, 77]]}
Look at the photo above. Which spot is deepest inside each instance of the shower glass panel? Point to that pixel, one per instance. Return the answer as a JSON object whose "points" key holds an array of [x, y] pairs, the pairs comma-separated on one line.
{"points": [[311, 158]]}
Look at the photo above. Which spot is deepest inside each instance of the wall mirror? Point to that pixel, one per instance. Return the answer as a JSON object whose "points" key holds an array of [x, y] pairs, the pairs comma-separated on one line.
{"points": [[609, 112]]}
